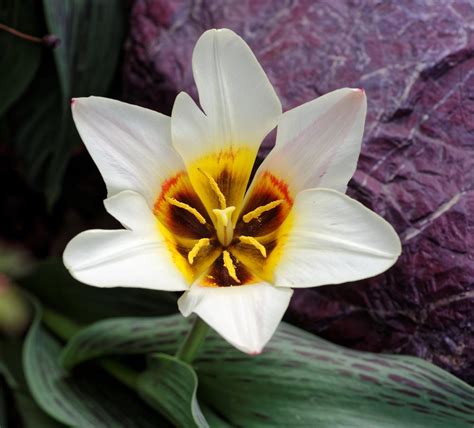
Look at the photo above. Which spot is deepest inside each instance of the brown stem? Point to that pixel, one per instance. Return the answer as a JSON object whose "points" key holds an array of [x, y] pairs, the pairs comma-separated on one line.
{"points": [[20, 34], [48, 40]]}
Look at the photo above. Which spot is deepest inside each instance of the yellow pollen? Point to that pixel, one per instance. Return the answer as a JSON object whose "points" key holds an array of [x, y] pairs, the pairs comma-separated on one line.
{"points": [[186, 207], [204, 242], [215, 188], [252, 241], [229, 265], [257, 212]]}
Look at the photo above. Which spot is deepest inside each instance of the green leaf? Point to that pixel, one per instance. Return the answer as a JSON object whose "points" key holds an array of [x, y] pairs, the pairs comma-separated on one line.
{"points": [[299, 379], [31, 415], [10, 367], [123, 336], [38, 121], [10, 362], [88, 399], [19, 59], [52, 284], [170, 386], [91, 33], [212, 418], [3, 405]]}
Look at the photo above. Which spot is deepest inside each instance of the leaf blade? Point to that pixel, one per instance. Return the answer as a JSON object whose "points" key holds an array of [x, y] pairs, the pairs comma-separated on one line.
{"points": [[20, 58], [299, 377], [170, 386], [89, 400]]}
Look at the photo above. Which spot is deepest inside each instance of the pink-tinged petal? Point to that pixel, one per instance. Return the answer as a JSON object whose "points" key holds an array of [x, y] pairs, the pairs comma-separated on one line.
{"points": [[246, 316], [334, 239], [122, 258], [318, 143], [130, 145]]}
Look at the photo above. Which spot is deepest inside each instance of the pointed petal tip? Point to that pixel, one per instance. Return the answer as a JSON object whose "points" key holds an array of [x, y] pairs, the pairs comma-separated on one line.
{"points": [[357, 96], [251, 350], [219, 31], [79, 101], [358, 93]]}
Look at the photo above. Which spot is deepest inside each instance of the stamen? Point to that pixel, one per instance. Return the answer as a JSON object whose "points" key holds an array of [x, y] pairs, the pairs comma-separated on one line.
{"points": [[229, 265], [186, 207], [257, 212], [215, 188], [203, 242], [252, 241]]}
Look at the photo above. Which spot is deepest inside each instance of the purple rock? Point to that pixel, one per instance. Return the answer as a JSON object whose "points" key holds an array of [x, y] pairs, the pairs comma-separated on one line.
{"points": [[415, 59]]}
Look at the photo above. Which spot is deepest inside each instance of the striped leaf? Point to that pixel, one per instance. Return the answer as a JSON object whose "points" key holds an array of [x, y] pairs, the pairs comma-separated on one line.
{"points": [[89, 399], [170, 386], [299, 379]]}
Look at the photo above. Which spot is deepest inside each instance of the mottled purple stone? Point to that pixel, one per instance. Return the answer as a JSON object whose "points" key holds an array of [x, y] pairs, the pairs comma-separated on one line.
{"points": [[415, 59]]}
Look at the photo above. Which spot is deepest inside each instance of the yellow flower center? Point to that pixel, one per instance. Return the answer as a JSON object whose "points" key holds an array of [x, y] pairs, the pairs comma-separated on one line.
{"points": [[219, 244]]}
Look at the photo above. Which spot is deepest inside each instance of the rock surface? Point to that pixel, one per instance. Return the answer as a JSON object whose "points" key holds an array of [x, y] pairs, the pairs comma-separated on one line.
{"points": [[415, 59]]}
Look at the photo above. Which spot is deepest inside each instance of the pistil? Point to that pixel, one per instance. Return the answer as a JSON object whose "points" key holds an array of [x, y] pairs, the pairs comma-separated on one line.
{"points": [[224, 226]]}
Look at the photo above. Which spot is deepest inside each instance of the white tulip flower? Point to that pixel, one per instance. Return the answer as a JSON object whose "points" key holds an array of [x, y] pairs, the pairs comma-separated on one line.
{"points": [[180, 187]]}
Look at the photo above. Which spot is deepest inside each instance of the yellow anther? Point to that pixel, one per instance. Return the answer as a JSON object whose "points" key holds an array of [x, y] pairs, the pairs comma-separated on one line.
{"points": [[215, 188], [257, 212], [204, 242], [186, 207], [229, 265], [252, 241]]}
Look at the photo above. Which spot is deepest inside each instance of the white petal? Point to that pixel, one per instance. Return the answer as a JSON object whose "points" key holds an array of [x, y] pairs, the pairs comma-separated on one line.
{"points": [[238, 100], [121, 258], [191, 130], [318, 143], [334, 239], [246, 316], [132, 210], [130, 145]]}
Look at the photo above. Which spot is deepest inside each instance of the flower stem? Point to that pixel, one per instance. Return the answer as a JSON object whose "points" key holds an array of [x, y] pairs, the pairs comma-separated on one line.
{"points": [[120, 372], [59, 325], [191, 345]]}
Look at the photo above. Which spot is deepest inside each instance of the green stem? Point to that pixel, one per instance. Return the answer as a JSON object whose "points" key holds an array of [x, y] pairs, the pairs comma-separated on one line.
{"points": [[120, 372], [189, 349], [65, 329], [61, 326]]}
